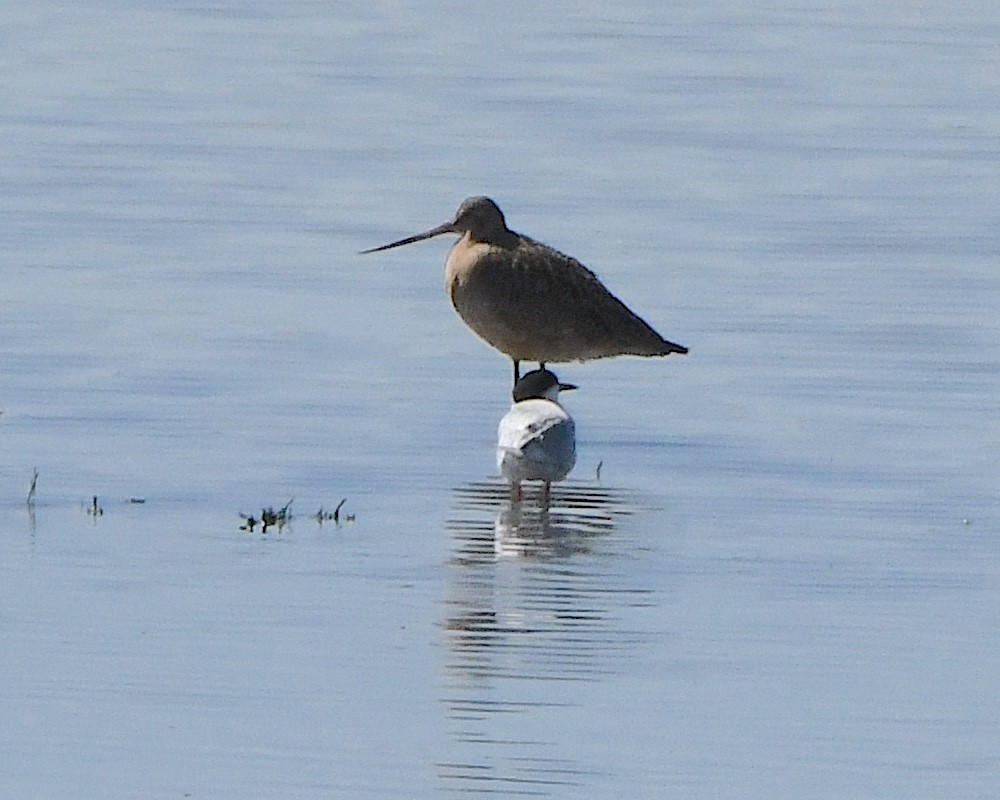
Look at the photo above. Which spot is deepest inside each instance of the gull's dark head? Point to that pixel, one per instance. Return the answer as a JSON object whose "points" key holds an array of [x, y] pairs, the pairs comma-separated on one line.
{"points": [[540, 384]]}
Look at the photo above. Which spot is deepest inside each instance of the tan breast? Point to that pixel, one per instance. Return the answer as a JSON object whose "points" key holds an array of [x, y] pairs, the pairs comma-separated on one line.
{"points": [[497, 299], [475, 281], [461, 259]]}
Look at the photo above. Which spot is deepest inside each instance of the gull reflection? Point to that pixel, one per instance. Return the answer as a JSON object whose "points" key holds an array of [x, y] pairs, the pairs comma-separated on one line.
{"points": [[535, 599], [560, 523], [541, 532]]}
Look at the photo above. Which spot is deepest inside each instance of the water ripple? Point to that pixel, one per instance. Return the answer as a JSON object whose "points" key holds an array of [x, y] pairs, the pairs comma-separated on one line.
{"points": [[533, 601]]}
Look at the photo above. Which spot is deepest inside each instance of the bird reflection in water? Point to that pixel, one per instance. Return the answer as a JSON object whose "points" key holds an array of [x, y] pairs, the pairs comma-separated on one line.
{"points": [[536, 594], [561, 522]]}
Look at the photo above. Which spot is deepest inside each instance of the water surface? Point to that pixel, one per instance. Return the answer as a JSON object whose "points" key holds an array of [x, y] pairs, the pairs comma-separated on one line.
{"points": [[784, 580]]}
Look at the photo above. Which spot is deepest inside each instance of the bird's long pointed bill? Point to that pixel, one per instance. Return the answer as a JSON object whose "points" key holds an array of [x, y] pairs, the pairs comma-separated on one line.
{"points": [[567, 387], [448, 227]]}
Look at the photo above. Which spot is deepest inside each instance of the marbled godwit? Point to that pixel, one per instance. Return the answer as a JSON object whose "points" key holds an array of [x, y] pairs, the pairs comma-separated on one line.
{"points": [[530, 301], [536, 439]]}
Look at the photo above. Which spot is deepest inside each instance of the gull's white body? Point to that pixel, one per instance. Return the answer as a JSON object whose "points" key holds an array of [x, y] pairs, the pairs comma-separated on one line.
{"points": [[536, 439]]}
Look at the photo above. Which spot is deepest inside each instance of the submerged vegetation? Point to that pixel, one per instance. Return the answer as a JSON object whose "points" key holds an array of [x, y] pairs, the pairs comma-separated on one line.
{"points": [[279, 518], [269, 516]]}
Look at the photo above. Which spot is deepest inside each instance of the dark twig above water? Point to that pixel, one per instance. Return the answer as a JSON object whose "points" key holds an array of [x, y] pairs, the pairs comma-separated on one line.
{"points": [[94, 509], [34, 486], [322, 515]]}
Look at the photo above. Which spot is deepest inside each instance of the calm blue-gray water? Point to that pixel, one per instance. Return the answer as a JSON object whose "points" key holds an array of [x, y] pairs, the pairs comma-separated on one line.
{"points": [[774, 572]]}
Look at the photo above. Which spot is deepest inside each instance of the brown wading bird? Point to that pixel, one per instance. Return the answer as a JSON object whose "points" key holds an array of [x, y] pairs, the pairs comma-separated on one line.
{"points": [[530, 301]]}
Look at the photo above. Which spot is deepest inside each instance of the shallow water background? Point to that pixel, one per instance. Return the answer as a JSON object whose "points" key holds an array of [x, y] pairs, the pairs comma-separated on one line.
{"points": [[783, 583]]}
